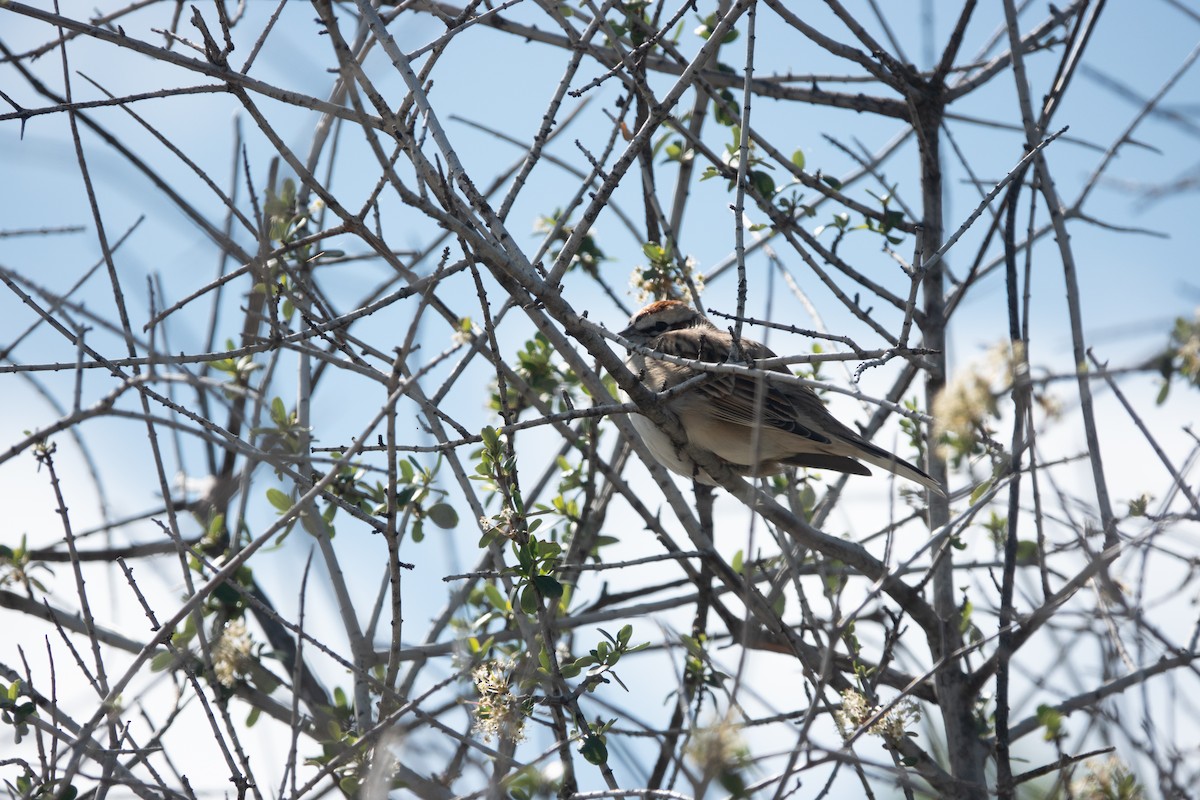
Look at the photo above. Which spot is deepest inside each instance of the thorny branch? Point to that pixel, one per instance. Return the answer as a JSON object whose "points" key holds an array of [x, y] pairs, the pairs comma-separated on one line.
{"points": [[384, 349]]}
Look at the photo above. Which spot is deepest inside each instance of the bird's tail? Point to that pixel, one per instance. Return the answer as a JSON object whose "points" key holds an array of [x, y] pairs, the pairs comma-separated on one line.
{"points": [[894, 464]]}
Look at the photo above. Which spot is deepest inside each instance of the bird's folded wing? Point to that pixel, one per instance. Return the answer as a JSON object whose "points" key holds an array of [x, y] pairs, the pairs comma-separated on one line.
{"points": [[745, 401], [735, 398]]}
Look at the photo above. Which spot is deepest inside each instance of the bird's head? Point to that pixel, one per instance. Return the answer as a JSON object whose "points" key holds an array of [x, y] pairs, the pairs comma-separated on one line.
{"points": [[661, 317]]}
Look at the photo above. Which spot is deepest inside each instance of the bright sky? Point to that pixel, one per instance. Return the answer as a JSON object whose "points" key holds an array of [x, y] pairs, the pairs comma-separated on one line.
{"points": [[1133, 285]]}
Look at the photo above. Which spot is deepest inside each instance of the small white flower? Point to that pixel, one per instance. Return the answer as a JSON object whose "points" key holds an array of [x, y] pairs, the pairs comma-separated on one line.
{"points": [[501, 523], [964, 407], [232, 654], [719, 748], [852, 714], [1107, 780], [498, 712], [891, 726]]}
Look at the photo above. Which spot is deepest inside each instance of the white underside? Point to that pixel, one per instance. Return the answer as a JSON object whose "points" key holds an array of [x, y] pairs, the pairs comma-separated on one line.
{"points": [[664, 451]]}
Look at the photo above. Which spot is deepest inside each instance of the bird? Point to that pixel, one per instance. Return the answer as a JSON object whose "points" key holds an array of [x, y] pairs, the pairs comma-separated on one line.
{"points": [[721, 413]]}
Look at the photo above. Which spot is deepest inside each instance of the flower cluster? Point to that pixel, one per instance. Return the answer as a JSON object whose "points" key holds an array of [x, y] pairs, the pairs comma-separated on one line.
{"points": [[719, 747], [720, 753], [1185, 341], [963, 408], [231, 654], [499, 711], [501, 523], [1107, 780], [892, 725]]}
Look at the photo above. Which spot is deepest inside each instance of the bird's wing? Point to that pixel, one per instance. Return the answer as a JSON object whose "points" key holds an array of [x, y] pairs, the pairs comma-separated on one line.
{"points": [[745, 401], [736, 398]]}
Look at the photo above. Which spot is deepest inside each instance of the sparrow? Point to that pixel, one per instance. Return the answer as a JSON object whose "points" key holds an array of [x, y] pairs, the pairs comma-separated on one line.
{"points": [[720, 414]]}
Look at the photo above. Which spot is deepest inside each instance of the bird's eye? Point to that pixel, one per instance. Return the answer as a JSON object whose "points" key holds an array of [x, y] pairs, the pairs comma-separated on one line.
{"points": [[659, 326]]}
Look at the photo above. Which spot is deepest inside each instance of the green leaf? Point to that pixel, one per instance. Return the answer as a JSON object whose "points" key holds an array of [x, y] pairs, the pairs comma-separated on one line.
{"points": [[548, 550], [1140, 505], [980, 491], [720, 112], [798, 159], [604, 541], [594, 750], [312, 525], [655, 251], [733, 782], [1163, 392], [525, 554], [624, 634], [262, 679], [737, 564], [1027, 553], [548, 586], [160, 662], [529, 600], [964, 619], [763, 183], [495, 597], [489, 436], [709, 24], [226, 595], [278, 499], [1051, 720], [443, 515]]}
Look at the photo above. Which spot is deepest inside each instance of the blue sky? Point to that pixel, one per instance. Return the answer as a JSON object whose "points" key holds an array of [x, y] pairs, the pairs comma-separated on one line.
{"points": [[1133, 285]]}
